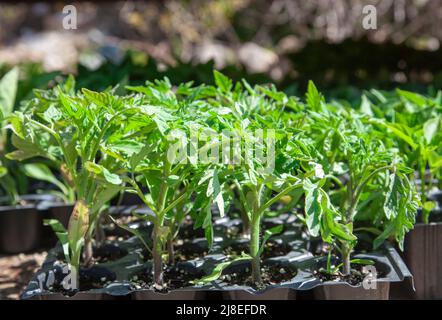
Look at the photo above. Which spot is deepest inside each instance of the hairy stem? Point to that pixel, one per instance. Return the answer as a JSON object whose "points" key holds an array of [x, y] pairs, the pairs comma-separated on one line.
{"points": [[158, 225], [254, 236], [254, 249], [346, 251], [157, 256]]}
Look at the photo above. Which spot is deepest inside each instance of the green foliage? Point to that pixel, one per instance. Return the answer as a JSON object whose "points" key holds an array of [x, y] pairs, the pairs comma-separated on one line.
{"points": [[347, 170]]}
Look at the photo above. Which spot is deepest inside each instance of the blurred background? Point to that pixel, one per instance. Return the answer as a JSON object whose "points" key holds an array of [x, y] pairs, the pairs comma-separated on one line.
{"points": [[280, 41]]}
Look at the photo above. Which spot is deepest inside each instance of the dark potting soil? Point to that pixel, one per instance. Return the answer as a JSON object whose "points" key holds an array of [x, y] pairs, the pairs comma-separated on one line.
{"points": [[271, 274], [271, 249], [185, 251], [95, 277], [231, 232], [174, 278], [108, 252], [114, 232], [104, 253], [181, 253], [187, 230], [355, 278], [275, 249]]}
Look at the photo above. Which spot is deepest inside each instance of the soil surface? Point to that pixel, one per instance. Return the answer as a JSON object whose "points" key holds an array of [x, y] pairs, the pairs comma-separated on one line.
{"points": [[174, 278], [271, 249], [356, 276], [185, 251], [16, 271], [271, 274]]}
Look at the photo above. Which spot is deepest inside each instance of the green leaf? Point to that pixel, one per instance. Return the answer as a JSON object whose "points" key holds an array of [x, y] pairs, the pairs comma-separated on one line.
{"points": [[223, 82], [219, 200], [69, 106], [428, 206], [269, 233], [401, 132], [16, 124], [105, 195], [26, 149], [62, 235], [8, 91], [314, 98], [100, 99], [3, 171], [93, 167], [218, 270], [339, 230], [41, 172], [415, 98], [173, 180], [431, 128], [77, 228], [71, 151], [99, 170], [214, 190], [127, 147], [133, 231], [9, 185], [366, 262], [208, 226], [391, 202], [313, 208], [384, 236], [111, 177], [136, 158], [366, 106]]}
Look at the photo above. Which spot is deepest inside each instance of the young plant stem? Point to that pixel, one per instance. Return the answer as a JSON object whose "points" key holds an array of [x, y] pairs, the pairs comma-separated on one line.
{"points": [[257, 210], [157, 258], [74, 266], [346, 251], [353, 195], [254, 236], [157, 249], [254, 249], [346, 247]]}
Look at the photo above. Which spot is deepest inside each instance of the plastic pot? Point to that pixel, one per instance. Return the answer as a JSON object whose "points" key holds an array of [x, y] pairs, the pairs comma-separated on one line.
{"points": [[21, 226], [61, 212], [128, 199], [20, 229], [78, 296], [394, 277], [285, 290], [185, 294], [344, 291], [271, 294], [423, 254]]}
